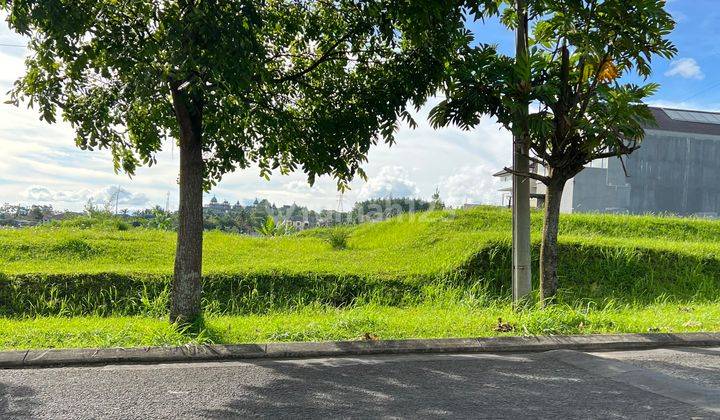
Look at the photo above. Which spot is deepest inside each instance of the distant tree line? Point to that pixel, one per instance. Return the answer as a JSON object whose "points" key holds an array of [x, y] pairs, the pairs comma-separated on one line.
{"points": [[383, 208], [237, 218], [248, 219], [18, 216]]}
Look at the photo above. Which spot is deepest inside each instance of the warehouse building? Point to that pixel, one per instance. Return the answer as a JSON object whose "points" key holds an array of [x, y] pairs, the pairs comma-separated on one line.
{"points": [[676, 170]]}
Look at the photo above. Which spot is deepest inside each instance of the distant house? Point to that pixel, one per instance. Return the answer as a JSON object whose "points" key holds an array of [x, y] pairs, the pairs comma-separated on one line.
{"points": [[299, 224], [218, 208], [676, 170], [537, 189]]}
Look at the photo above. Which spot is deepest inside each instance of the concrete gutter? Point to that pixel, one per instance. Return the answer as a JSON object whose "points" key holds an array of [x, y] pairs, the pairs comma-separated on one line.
{"points": [[215, 352]]}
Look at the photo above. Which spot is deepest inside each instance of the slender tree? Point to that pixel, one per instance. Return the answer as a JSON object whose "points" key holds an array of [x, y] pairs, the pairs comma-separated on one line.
{"points": [[281, 84], [583, 108], [436, 202]]}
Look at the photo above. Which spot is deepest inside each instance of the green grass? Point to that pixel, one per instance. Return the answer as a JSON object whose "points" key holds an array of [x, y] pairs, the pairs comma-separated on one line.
{"points": [[436, 274], [380, 322], [397, 248], [411, 245]]}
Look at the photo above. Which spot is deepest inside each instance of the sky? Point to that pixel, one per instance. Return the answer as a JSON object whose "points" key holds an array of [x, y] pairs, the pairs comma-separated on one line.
{"points": [[40, 163]]}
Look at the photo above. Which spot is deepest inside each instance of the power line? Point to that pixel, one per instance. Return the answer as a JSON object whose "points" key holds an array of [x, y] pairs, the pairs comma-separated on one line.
{"points": [[703, 91], [13, 45]]}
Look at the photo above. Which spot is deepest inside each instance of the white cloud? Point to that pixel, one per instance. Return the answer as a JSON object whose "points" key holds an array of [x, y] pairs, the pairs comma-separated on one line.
{"points": [[713, 107], [302, 186], [13, 66], [108, 195], [36, 153], [679, 16], [686, 68], [44, 194], [392, 181], [470, 185], [115, 194]]}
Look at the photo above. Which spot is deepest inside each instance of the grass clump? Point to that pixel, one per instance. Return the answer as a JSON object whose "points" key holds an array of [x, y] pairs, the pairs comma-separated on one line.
{"points": [[338, 239], [74, 248], [96, 220]]}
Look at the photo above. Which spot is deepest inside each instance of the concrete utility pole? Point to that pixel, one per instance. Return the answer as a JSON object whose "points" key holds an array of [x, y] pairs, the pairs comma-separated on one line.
{"points": [[117, 200], [521, 285]]}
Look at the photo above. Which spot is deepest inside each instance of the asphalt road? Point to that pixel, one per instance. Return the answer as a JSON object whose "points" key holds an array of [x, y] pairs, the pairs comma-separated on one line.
{"points": [[682, 383]]}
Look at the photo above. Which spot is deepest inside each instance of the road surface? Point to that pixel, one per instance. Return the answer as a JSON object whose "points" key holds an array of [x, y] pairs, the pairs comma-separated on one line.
{"points": [[683, 383]]}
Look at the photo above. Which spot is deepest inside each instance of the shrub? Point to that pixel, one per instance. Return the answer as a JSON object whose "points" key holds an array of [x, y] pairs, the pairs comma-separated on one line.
{"points": [[272, 228], [100, 221], [161, 220], [338, 238]]}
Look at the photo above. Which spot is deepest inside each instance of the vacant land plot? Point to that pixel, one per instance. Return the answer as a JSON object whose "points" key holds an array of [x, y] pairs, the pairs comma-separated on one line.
{"points": [[433, 274]]}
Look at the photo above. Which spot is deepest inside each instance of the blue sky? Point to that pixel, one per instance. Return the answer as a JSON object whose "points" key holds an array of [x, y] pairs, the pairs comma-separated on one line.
{"points": [[40, 163]]}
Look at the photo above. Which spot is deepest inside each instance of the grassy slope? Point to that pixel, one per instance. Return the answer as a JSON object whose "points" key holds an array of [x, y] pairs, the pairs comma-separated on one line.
{"points": [[620, 274], [423, 245], [396, 248]]}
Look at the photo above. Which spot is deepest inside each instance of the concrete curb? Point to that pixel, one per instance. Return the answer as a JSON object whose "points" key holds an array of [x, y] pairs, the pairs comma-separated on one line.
{"points": [[214, 352]]}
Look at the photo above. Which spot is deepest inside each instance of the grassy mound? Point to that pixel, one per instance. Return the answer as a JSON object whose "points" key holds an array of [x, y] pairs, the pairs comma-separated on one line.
{"points": [[399, 262]]}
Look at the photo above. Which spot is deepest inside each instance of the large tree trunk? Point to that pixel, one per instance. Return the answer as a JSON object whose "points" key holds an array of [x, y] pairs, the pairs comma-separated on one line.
{"points": [[549, 247], [186, 286]]}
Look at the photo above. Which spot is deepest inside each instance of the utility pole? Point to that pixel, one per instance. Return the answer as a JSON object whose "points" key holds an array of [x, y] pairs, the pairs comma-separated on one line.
{"points": [[340, 208], [521, 285], [117, 200]]}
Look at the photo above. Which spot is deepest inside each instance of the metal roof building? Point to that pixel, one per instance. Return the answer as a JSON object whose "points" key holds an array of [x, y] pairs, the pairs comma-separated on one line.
{"points": [[676, 170]]}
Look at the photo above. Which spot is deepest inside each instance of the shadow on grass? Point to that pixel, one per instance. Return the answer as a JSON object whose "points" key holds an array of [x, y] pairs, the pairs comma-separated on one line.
{"points": [[198, 332], [600, 273]]}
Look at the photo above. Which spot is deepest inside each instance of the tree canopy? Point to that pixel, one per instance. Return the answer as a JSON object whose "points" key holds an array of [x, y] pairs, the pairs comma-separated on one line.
{"points": [[579, 52], [282, 84]]}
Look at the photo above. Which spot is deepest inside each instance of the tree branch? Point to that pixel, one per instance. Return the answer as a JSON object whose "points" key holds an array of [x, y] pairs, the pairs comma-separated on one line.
{"points": [[544, 179], [625, 150], [536, 160], [327, 55]]}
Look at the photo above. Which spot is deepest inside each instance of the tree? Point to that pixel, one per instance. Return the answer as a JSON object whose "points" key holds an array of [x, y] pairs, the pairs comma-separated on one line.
{"points": [[36, 214], [578, 53], [436, 202], [160, 219], [284, 85]]}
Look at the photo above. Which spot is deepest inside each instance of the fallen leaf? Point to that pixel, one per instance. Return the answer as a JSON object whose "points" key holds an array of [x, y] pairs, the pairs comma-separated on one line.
{"points": [[369, 337], [503, 326]]}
